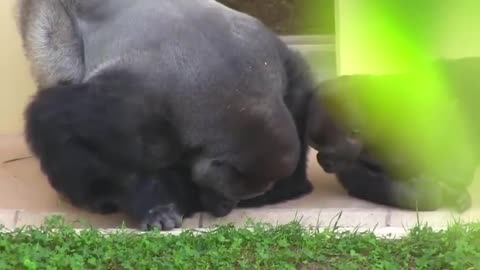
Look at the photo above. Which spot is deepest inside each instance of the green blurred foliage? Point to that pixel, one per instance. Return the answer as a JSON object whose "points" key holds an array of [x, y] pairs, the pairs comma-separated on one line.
{"points": [[289, 17]]}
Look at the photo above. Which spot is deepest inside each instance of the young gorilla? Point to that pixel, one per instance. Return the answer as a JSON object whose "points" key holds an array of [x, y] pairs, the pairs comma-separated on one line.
{"points": [[163, 108], [366, 174]]}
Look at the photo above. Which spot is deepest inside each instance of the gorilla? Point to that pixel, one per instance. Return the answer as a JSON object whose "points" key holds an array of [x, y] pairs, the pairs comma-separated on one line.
{"points": [[366, 173], [160, 109]]}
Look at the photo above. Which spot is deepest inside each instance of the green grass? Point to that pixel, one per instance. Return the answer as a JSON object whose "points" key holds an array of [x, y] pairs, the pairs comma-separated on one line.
{"points": [[58, 246]]}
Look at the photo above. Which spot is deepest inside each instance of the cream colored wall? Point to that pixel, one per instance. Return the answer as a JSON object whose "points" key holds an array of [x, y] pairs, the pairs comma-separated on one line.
{"points": [[453, 33], [15, 80]]}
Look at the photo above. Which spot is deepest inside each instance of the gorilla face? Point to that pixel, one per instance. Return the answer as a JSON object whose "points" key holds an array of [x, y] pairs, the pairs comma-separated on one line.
{"points": [[337, 146], [340, 153]]}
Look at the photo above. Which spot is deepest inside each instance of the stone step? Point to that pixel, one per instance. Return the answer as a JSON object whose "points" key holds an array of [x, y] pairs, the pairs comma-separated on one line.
{"points": [[308, 39], [381, 220], [318, 50]]}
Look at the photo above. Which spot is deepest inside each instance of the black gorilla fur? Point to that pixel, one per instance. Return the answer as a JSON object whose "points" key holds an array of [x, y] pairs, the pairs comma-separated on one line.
{"points": [[97, 143], [166, 107]]}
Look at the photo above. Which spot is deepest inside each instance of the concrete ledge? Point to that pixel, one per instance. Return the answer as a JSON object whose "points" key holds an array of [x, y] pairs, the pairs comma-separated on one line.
{"points": [[318, 49], [308, 217], [7, 218], [310, 44], [308, 39], [313, 48], [382, 222], [380, 232], [441, 218], [35, 219], [30, 218], [346, 218]]}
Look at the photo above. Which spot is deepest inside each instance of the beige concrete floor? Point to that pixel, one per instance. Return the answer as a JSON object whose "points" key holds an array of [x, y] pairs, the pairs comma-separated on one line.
{"points": [[26, 199]]}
